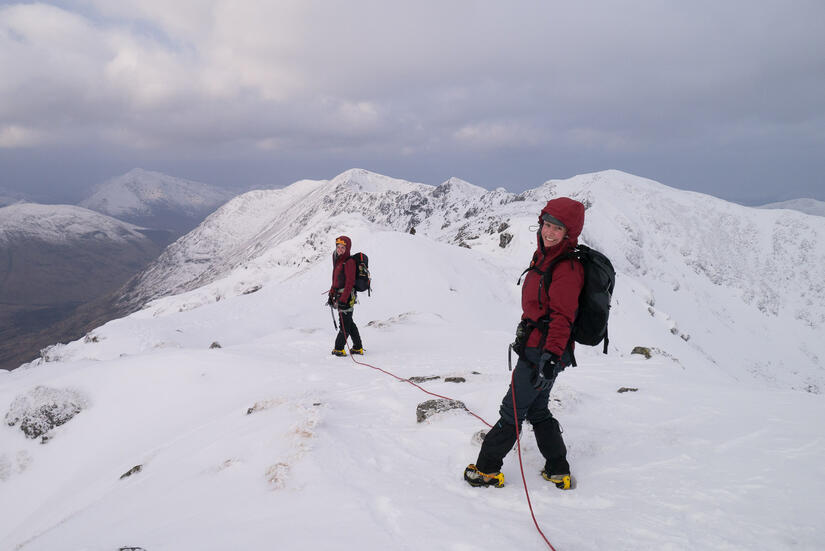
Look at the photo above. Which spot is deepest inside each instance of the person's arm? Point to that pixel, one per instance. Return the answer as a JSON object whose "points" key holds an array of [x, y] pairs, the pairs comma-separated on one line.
{"points": [[349, 281], [563, 301]]}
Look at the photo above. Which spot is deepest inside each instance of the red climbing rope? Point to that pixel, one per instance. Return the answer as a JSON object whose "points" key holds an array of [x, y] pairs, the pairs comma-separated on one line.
{"points": [[515, 416]]}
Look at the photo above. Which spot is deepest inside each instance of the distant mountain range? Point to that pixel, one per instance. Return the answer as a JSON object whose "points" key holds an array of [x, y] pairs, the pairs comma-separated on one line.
{"points": [[686, 252], [703, 266], [54, 258], [58, 263], [808, 206], [8, 197]]}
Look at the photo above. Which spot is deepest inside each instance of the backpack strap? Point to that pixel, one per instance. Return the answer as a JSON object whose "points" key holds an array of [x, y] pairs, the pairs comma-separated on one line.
{"points": [[547, 278]]}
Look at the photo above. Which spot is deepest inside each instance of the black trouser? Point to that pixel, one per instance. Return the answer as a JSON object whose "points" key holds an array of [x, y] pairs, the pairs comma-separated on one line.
{"points": [[347, 328], [531, 404]]}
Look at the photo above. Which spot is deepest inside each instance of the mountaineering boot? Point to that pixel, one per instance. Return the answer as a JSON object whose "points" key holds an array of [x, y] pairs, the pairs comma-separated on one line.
{"points": [[562, 481], [341, 352], [474, 477], [359, 351]]}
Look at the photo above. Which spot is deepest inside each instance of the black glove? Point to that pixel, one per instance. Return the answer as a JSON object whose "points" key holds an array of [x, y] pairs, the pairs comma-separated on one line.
{"points": [[330, 300], [548, 367], [542, 383]]}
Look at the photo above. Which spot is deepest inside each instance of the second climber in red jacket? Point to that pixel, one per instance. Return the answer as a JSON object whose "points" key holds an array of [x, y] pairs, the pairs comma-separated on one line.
{"points": [[342, 297]]}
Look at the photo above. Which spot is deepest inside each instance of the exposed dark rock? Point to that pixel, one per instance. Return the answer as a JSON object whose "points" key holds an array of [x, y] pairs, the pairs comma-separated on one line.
{"points": [[627, 389], [504, 239], [427, 409], [130, 472], [254, 289], [455, 380], [215, 344], [643, 350], [421, 379]]}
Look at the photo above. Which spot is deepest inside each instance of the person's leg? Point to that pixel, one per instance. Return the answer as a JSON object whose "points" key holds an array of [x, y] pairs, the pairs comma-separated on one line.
{"points": [[500, 439], [497, 443], [550, 442], [551, 445], [352, 330], [344, 321]]}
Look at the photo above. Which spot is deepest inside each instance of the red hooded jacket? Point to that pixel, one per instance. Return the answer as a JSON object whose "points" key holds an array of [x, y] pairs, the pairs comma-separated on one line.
{"points": [[561, 300], [343, 272]]}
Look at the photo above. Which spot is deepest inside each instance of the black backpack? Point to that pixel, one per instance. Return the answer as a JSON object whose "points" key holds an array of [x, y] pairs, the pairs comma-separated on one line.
{"points": [[362, 273], [590, 326]]}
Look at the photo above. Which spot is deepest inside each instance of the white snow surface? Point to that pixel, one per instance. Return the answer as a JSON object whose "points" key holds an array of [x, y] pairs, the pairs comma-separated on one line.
{"points": [[140, 192], [807, 205], [61, 224], [720, 446]]}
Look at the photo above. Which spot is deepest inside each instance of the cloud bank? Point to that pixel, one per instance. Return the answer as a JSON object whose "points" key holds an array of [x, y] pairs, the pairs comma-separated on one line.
{"points": [[726, 98]]}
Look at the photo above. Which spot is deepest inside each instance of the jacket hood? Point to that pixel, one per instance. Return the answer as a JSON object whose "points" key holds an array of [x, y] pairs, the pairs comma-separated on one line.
{"points": [[348, 241], [570, 213]]}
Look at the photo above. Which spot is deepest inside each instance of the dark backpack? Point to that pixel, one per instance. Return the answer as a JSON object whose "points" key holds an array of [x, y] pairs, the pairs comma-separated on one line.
{"points": [[362, 273], [590, 325]]}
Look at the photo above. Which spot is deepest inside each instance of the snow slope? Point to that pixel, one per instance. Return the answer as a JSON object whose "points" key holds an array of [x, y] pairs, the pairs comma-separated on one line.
{"points": [[270, 442]]}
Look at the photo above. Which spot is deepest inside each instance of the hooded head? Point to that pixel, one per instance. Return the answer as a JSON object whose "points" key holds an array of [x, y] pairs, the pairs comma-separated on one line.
{"points": [[342, 239], [564, 212]]}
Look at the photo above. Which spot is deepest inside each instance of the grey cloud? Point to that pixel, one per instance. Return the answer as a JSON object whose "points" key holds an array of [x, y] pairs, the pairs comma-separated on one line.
{"points": [[683, 93]]}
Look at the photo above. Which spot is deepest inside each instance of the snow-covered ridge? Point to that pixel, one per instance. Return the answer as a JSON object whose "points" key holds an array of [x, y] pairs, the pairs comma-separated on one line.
{"points": [[699, 265], [62, 223], [141, 192], [310, 212]]}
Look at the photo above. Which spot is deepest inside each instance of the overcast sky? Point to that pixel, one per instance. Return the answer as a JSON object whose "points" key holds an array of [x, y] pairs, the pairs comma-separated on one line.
{"points": [[725, 97]]}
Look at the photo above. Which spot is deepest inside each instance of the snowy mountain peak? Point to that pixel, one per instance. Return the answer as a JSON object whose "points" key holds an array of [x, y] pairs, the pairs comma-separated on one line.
{"points": [[142, 193], [360, 180], [458, 186]]}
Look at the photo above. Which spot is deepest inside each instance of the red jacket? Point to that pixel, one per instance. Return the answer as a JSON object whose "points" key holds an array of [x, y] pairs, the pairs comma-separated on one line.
{"points": [[343, 272], [561, 300]]}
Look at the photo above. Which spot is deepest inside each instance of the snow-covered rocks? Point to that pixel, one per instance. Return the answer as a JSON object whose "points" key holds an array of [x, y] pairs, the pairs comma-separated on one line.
{"points": [[44, 408], [427, 409]]}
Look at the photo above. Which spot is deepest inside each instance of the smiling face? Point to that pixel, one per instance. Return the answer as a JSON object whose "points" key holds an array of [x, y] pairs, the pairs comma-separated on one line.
{"points": [[552, 234], [340, 248]]}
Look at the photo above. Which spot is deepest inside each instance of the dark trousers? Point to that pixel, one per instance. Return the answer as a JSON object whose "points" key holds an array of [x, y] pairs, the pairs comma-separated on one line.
{"points": [[347, 328], [530, 404]]}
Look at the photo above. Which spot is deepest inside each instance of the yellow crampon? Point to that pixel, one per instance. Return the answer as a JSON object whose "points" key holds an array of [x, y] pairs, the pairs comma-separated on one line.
{"points": [[562, 481], [474, 477]]}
